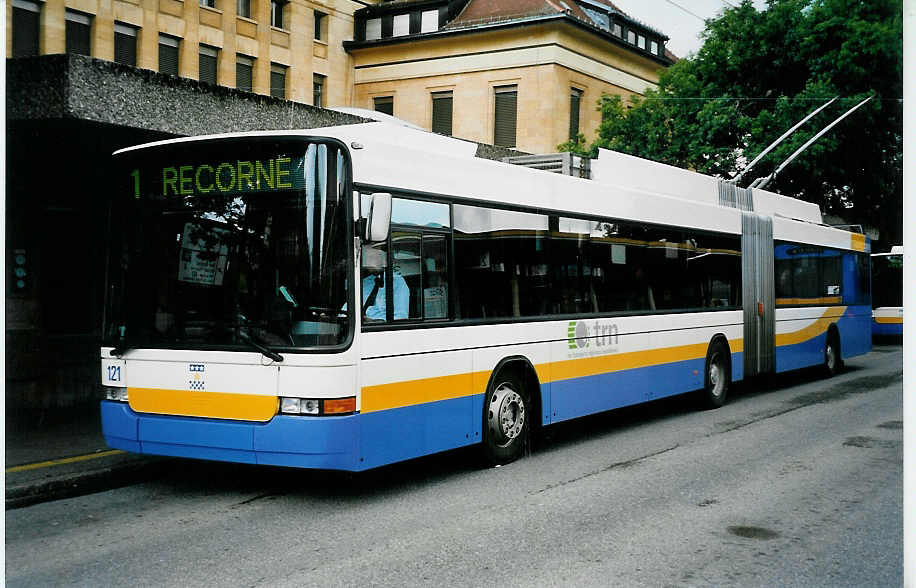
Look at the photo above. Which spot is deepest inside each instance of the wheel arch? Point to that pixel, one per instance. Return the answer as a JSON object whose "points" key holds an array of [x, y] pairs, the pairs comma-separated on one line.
{"points": [[721, 338], [834, 331], [523, 367]]}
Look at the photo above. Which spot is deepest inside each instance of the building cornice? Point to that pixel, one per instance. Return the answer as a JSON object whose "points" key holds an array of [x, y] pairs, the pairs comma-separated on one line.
{"points": [[350, 46]]}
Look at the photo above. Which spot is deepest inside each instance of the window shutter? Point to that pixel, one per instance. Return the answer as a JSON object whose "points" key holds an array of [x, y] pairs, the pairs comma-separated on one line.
{"points": [[505, 112], [575, 98], [208, 64], [168, 55], [442, 113], [26, 22], [243, 71], [125, 40], [278, 81], [78, 32]]}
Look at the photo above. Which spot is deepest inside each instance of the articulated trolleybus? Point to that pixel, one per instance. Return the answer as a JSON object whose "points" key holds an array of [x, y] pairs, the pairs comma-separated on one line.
{"points": [[348, 297], [887, 298]]}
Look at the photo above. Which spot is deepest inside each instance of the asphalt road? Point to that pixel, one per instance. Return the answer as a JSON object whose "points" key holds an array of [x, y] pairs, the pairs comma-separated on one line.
{"points": [[798, 484]]}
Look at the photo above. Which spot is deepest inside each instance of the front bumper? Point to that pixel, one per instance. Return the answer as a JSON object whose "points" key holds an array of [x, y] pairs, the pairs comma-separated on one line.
{"points": [[297, 441]]}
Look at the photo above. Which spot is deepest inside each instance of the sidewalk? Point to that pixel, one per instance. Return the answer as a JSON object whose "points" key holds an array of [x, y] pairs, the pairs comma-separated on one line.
{"points": [[65, 455]]}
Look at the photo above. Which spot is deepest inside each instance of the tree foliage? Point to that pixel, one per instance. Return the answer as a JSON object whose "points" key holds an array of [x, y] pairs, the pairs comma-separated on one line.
{"points": [[757, 74]]}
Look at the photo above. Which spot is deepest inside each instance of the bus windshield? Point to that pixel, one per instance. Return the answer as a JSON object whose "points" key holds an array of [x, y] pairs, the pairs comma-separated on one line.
{"points": [[222, 245]]}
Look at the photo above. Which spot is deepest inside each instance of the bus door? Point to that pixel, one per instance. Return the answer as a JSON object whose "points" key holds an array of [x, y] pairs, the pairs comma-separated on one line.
{"points": [[759, 293]]}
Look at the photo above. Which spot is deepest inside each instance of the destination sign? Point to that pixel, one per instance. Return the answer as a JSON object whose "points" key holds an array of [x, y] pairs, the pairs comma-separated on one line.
{"points": [[233, 177]]}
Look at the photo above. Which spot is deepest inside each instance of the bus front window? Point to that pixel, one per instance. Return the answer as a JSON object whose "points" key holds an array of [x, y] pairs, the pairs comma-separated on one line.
{"points": [[217, 245]]}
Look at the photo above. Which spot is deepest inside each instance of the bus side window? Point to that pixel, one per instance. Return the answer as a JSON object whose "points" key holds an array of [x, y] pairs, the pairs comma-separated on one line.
{"points": [[373, 272], [435, 277], [406, 275]]}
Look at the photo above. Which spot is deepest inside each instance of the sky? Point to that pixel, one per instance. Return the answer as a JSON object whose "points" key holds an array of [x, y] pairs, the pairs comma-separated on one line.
{"points": [[681, 20]]}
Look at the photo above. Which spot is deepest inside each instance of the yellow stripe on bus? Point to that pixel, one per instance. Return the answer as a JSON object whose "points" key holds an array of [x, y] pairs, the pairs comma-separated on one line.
{"points": [[400, 394], [857, 241], [618, 362], [216, 405], [818, 327], [821, 300], [889, 320]]}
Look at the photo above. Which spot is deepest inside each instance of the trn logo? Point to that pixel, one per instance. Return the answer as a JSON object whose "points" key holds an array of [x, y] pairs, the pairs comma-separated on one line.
{"points": [[597, 334]]}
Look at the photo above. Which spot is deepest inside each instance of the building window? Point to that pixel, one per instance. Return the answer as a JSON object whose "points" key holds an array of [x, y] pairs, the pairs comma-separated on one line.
{"points": [[373, 29], [244, 69], [26, 23], [384, 104], [209, 58], [429, 21], [208, 3], [276, 13], [442, 113], [278, 80], [79, 32], [653, 48], [320, 24], [575, 101], [642, 42], [401, 25], [125, 44], [243, 8], [168, 55], [318, 90], [617, 30], [631, 37], [505, 114]]}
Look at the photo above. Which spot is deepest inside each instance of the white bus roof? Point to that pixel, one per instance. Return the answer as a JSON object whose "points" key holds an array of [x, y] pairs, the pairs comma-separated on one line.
{"points": [[391, 155], [895, 250]]}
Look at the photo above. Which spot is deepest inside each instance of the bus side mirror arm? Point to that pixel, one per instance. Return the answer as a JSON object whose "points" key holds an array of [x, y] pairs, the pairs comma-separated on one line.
{"points": [[375, 228]]}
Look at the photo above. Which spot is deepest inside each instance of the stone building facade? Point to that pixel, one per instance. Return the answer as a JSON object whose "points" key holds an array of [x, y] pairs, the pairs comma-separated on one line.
{"points": [[518, 73]]}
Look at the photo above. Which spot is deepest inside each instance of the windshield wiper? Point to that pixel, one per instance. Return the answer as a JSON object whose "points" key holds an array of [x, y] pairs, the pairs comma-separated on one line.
{"points": [[270, 354], [120, 349]]}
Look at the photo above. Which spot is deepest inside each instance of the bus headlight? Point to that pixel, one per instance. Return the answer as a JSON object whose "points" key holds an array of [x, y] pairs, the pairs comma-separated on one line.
{"points": [[115, 394], [300, 406], [317, 406]]}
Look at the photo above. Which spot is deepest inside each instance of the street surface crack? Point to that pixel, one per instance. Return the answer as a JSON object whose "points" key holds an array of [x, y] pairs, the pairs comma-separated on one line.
{"points": [[613, 466], [258, 497]]}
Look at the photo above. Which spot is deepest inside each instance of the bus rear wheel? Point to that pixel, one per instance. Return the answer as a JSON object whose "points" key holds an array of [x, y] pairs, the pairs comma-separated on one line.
{"points": [[506, 420], [832, 361], [718, 375]]}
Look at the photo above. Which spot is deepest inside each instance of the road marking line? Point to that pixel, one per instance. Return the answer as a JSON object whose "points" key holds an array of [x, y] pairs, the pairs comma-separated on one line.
{"points": [[54, 462]]}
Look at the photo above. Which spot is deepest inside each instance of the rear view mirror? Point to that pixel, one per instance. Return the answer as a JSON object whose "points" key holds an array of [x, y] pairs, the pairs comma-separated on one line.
{"points": [[379, 218]]}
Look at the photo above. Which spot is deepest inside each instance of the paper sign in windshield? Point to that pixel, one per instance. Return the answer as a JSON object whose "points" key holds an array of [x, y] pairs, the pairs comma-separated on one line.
{"points": [[204, 255]]}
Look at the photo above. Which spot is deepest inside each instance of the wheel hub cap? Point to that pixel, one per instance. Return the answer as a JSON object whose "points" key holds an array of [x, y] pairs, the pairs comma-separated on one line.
{"points": [[506, 415], [716, 381]]}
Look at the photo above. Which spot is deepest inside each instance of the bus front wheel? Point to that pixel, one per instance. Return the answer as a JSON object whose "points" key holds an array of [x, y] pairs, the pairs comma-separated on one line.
{"points": [[718, 375], [506, 420]]}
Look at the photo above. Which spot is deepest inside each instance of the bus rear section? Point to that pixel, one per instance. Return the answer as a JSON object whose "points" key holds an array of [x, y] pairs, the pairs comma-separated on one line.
{"points": [[887, 298]]}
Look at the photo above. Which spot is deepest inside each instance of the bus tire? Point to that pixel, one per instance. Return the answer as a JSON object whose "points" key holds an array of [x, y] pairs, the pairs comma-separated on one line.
{"points": [[718, 374], [506, 419], [832, 359]]}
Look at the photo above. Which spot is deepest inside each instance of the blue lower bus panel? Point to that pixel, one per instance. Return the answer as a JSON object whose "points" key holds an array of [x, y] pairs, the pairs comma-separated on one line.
{"points": [[308, 442], [887, 329]]}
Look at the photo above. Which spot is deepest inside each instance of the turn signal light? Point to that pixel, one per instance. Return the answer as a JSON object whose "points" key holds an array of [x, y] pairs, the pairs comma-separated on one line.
{"points": [[340, 405]]}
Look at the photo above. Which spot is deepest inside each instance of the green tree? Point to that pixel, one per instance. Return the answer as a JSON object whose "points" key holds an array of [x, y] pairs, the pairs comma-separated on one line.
{"points": [[757, 74]]}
